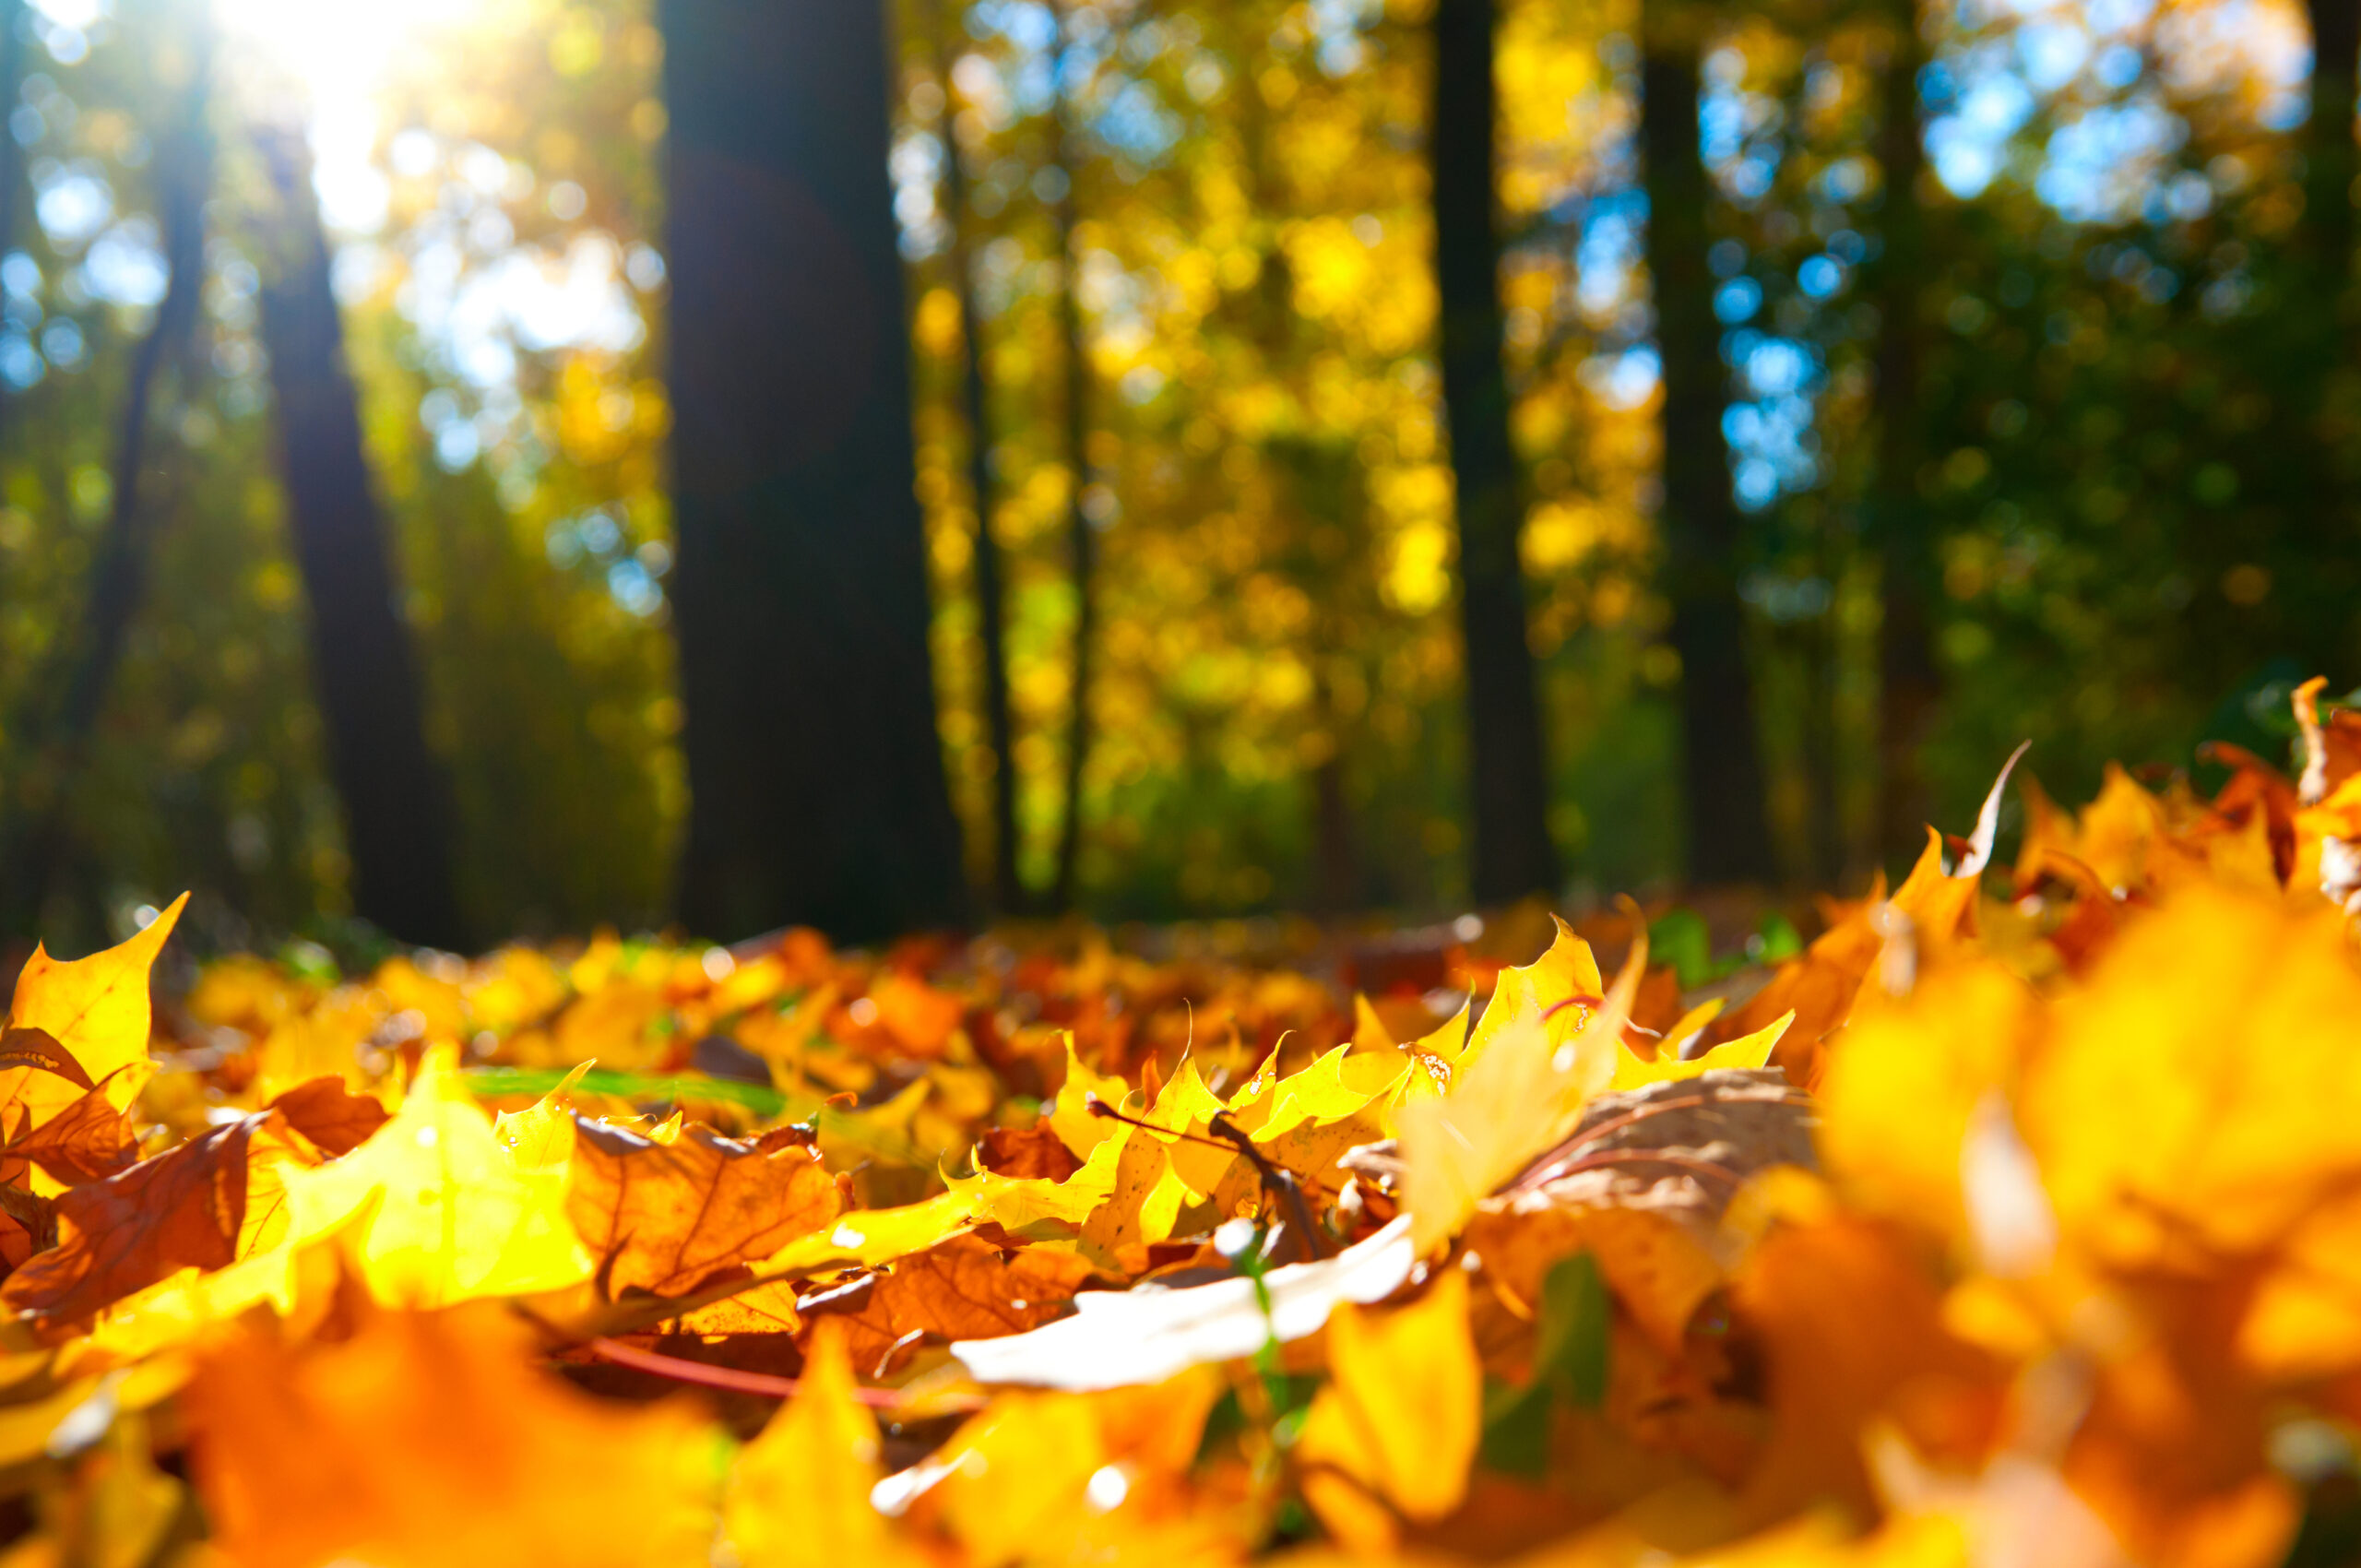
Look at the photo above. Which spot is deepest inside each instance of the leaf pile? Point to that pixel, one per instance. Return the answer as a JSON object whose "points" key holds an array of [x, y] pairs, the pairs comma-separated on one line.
{"points": [[2017, 1219]]}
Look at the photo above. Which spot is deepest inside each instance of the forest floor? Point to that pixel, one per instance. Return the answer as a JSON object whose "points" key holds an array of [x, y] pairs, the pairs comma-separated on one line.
{"points": [[2012, 1216]]}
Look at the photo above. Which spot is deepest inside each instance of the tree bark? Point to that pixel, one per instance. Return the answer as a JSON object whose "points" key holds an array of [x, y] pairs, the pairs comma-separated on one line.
{"points": [[2329, 157], [119, 574], [1509, 781], [815, 773], [1721, 769], [2324, 241], [1909, 684], [12, 152], [398, 811], [1080, 536], [991, 593]]}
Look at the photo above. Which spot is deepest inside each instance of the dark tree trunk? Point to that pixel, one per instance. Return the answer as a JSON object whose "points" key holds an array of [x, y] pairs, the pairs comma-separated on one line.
{"points": [[398, 813], [2329, 154], [1509, 779], [816, 774], [12, 154], [119, 574], [991, 594], [1721, 767], [1080, 537], [1337, 887], [2325, 263], [1909, 685]]}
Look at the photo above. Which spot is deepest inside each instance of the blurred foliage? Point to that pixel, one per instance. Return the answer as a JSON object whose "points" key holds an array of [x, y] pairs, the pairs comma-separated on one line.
{"points": [[2128, 399]]}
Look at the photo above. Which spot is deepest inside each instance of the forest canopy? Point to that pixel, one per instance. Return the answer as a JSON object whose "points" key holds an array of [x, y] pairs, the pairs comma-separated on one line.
{"points": [[1959, 374]]}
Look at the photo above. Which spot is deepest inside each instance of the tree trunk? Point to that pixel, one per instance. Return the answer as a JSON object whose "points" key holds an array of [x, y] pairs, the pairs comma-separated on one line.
{"points": [[2329, 153], [1721, 767], [1509, 782], [991, 594], [119, 574], [1336, 872], [816, 774], [12, 153], [398, 813], [1909, 685], [2325, 265], [1082, 537]]}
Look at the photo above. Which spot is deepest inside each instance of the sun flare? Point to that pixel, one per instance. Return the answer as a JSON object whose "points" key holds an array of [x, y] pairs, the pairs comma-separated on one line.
{"points": [[329, 56]]}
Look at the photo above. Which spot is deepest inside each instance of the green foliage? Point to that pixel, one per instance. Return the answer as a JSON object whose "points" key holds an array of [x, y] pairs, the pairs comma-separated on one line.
{"points": [[1573, 1343]]}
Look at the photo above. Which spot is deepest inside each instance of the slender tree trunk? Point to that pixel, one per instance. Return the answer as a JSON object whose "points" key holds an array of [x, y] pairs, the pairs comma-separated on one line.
{"points": [[1722, 764], [119, 575], [1909, 684], [815, 772], [1509, 779], [1337, 864], [398, 811], [12, 153], [991, 594], [1082, 537]]}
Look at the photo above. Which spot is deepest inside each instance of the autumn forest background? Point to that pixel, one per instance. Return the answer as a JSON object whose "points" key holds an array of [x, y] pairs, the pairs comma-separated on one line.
{"points": [[495, 467]]}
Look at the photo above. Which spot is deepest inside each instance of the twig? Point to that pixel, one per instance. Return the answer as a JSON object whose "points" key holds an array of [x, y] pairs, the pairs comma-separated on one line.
{"points": [[765, 1384]]}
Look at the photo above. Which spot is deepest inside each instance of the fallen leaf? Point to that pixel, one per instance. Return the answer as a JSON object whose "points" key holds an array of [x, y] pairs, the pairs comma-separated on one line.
{"points": [[962, 1289], [1120, 1337], [1506, 1103], [88, 1141], [798, 1496], [918, 1016], [1851, 1332], [669, 1218], [1034, 1153], [182, 1209], [96, 1010], [439, 1211], [1402, 1410], [334, 1118], [1746, 1051], [1082, 1478], [427, 1441]]}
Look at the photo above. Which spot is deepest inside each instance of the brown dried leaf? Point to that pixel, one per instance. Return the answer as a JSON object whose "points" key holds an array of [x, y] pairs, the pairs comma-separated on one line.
{"points": [[334, 1118], [179, 1211], [88, 1141], [38, 1050], [965, 1288], [1034, 1153], [669, 1218], [1682, 1147]]}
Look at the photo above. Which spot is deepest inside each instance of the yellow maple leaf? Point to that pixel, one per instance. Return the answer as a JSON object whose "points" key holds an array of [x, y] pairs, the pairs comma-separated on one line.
{"points": [[1014, 1203], [798, 1496], [439, 1209], [2200, 1087], [1902, 1089], [1522, 1092], [1402, 1413], [1556, 994], [1747, 1051], [1082, 1478], [96, 1010], [872, 1236], [1070, 1116], [541, 1137]]}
